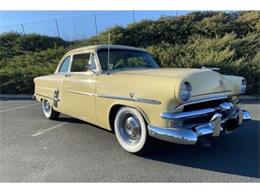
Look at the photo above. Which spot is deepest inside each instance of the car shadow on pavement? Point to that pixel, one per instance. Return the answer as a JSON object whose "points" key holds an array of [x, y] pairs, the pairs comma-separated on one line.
{"points": [[64, 118], [236, 153]]}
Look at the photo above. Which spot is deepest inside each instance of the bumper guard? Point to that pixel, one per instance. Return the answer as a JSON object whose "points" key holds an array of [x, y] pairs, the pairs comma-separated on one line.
{"points": [[189, 135]]}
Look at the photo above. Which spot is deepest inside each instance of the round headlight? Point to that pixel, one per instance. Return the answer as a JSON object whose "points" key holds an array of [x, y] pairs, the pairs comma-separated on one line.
{"points": [[185, 91], [243, 86]]}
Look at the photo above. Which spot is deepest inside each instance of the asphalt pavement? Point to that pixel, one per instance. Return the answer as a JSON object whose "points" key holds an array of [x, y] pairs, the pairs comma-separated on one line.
{"points": [[34, 149]]}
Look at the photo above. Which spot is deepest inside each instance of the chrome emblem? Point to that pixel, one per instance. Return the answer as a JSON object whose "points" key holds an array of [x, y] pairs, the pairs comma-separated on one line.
{"points": [[221, 84], [131, 94]]}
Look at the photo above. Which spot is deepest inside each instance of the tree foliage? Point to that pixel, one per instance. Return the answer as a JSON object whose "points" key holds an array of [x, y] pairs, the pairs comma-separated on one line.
{"points": [[229, 40]]}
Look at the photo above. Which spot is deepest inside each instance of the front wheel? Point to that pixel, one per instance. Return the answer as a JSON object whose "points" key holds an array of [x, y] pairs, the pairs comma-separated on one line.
{"points": [[131, 132], [48, 111]]}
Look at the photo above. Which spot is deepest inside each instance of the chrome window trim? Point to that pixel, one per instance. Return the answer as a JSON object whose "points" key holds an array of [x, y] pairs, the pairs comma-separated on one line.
{"points": [[98, 69], [83, 52], [120, 70], [57, 71], [93, 51]]}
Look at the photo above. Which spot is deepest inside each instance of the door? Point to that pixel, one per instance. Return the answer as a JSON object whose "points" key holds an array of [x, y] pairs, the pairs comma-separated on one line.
{"points": [[79, 88], [59, 77]]}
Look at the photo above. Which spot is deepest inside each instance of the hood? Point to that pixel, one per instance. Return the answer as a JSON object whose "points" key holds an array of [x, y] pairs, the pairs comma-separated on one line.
{"points": [[204, 82], [163, 72]]}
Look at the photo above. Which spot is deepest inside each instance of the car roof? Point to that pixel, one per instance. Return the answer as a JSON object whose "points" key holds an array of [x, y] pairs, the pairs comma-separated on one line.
{"points": [[96, 47]]}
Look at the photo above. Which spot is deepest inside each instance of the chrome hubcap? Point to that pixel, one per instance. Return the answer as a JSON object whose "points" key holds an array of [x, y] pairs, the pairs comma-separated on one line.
{"points": [[130, 128], [46, 106]]}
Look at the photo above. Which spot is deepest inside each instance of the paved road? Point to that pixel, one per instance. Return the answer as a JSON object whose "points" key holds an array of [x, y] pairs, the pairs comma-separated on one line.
{"points": [[34, 149]]}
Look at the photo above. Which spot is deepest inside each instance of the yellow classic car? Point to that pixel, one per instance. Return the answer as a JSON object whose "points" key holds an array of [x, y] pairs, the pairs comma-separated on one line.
{"points": [[122, 89]]}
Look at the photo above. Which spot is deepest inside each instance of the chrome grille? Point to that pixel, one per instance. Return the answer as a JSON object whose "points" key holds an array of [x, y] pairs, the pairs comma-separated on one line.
{"points": [[202, 105]]}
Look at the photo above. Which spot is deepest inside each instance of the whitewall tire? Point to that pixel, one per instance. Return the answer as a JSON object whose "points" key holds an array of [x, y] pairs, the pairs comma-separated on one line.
{"points": [[131, 131], [48, 111]]}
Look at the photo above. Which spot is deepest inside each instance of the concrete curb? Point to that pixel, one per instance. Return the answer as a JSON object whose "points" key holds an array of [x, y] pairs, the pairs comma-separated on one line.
{"points": [[15, 97]]}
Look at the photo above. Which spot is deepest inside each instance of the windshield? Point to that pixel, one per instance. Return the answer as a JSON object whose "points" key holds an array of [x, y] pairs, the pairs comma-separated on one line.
{"points": [[120, 59]]}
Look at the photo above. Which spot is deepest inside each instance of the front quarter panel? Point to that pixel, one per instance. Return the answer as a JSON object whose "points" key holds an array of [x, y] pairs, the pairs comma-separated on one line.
{"points": [[117, 89]]}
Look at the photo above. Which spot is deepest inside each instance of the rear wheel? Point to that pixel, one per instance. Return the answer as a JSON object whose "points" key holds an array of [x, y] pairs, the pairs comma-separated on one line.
{"points": [[131, 132], [48, 111]]}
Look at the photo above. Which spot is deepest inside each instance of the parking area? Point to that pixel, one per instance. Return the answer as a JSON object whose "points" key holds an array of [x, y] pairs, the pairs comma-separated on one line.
{"points": [[34, 149]]}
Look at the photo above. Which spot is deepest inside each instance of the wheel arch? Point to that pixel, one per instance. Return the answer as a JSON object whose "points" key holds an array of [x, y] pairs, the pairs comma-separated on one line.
{"points": [[116, 107]]}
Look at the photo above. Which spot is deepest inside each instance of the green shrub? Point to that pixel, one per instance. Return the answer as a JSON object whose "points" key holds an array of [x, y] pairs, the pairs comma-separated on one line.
{"points": [[17, 76], [228, 40], [14, 44]]}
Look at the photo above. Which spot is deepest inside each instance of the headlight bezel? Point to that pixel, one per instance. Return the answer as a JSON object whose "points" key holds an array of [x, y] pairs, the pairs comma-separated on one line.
{"points": [[185, 91]]}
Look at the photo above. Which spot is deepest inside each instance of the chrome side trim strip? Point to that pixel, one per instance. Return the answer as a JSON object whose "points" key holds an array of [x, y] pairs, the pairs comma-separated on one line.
{"points": [[148, 101], [81, 93], [141, 100], [46, 96], [200, 101], [115, 97]]}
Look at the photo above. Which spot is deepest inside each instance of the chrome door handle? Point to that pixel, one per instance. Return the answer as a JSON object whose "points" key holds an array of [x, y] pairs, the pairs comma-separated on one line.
{"points": [[67, 75]]}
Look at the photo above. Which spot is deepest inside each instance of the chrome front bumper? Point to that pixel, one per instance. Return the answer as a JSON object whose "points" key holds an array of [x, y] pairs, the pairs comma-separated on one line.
{"points": [[189, 134]]}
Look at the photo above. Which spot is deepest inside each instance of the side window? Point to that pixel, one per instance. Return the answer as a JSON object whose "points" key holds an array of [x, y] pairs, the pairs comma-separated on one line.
{"points": [[65, 65], [81, 62], [136, 61]]}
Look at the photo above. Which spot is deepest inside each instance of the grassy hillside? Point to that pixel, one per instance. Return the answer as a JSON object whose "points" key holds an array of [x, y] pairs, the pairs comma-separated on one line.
{"points": [[230, 41]]}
